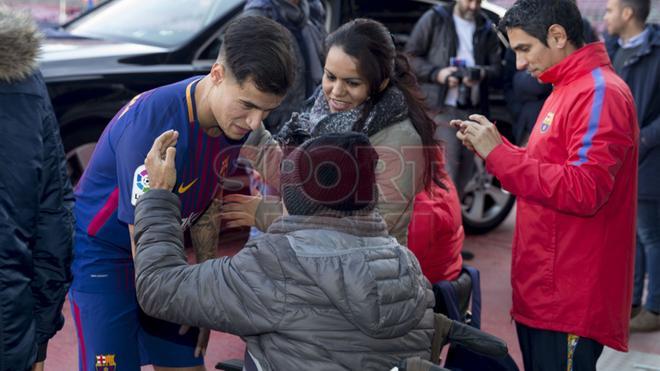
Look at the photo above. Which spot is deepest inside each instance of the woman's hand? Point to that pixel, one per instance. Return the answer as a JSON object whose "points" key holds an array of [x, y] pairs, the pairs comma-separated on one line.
{"points": [[239, 210], [160, 161]]}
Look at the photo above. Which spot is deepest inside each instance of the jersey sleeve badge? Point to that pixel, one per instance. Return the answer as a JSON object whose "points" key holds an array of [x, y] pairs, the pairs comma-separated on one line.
{"points": [[140, 184]]}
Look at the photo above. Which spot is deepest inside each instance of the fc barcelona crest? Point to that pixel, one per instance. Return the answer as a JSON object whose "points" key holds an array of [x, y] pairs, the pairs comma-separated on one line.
{"points": [[106, 362], [547, 122]]}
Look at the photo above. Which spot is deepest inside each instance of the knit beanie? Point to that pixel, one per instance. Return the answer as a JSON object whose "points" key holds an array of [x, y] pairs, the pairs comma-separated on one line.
{"points": [[330, 175]]}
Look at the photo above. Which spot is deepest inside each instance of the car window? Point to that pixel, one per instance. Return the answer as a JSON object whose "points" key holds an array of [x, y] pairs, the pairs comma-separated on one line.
{"points": [[398, 16], [154, 22], [211, 49]]}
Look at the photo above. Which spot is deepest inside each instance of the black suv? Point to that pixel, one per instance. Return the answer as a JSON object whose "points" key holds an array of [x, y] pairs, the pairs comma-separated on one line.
{"points": [[96, 63]]}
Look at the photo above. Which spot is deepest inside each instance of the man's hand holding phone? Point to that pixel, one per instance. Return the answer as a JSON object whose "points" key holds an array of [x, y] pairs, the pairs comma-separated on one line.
{"points": [[478, 134]]}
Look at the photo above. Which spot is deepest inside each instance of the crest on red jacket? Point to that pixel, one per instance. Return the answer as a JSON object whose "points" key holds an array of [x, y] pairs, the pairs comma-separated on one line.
{"points": [[547, 122]]}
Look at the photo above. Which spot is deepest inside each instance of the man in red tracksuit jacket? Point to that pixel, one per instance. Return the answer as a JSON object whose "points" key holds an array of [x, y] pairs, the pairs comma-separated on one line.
{"points": [[576, 183]]}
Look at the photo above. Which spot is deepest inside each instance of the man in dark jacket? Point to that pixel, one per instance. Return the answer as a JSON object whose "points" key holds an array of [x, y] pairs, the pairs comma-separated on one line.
{"points": [[305, 19], [325, 289], [635, 52], [36, 223], [455, 52]]}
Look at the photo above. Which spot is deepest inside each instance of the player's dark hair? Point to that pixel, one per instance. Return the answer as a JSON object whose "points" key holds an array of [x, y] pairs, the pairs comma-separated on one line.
{"points": [[261, 50]]}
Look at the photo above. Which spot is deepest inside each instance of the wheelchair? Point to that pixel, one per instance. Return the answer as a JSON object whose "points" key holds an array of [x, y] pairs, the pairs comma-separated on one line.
{"points": [[455, 321]]}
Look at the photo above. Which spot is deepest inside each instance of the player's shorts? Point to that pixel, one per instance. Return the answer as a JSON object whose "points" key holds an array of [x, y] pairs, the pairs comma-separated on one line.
{"points": [[113, 332]]}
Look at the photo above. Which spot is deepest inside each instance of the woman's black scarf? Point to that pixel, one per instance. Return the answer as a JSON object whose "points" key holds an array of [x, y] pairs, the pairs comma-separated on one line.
{"points": [[316, 118]]}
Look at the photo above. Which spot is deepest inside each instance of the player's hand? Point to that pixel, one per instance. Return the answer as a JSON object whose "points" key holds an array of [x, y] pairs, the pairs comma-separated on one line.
{"points": [[160, 161], [202, 339], [202, 342], [239, 210]]}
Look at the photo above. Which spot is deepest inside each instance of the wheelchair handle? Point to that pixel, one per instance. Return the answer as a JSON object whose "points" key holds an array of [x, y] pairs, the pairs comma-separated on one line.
{"points": [[476, 340]]}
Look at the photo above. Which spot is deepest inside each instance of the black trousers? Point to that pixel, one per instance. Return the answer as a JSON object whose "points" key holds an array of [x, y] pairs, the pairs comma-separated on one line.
{"points": [[544, 350]]}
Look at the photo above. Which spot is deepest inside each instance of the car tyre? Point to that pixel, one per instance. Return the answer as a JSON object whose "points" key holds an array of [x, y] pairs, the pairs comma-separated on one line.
{"points": [[485, 204]]}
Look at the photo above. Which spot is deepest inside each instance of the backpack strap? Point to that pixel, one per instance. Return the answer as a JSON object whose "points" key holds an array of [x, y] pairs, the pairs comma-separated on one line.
{"points": [[450, 297], [476, 295]]}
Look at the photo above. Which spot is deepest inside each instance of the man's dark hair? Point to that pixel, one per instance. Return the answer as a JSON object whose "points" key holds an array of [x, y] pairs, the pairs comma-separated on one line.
{"points": [[640, 8], [536, 16], [260, 49]]}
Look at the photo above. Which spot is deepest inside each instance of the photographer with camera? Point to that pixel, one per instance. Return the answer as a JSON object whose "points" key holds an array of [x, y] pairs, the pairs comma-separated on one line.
{"points": [[454, 53]]}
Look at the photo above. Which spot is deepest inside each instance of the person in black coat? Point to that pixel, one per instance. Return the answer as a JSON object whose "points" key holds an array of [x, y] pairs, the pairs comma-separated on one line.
{"points": [[36, 201], [634, 48]]}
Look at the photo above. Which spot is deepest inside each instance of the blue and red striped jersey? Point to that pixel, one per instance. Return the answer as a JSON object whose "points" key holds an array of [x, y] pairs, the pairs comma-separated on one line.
{"points": [[116, 177]]}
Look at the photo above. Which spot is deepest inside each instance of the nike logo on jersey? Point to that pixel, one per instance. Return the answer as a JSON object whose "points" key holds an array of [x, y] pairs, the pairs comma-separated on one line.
{"points": [[183, 189]]}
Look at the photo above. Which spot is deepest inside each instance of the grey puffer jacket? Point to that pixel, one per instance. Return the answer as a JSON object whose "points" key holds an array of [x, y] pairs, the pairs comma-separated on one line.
{"points": [[314, 293]]}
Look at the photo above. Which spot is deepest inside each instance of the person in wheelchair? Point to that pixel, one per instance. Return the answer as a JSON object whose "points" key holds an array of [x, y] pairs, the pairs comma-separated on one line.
{"points": [[325, 288]]}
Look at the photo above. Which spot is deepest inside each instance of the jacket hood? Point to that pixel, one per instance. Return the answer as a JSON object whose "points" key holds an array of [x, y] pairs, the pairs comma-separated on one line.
{"points": [[374, 282], [19, 44]]}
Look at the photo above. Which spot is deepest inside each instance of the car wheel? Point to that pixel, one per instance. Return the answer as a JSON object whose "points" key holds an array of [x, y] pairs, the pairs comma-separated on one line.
{"points": [[79, 145], [484, 202]]}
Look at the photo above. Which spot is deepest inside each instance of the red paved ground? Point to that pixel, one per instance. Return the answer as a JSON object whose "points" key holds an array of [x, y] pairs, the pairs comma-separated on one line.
{"points": [[493, 253]]}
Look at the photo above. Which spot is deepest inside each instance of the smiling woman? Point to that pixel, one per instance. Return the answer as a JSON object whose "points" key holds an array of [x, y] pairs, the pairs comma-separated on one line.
{"points": [[367, 87], [343, 86], [169, 23]]}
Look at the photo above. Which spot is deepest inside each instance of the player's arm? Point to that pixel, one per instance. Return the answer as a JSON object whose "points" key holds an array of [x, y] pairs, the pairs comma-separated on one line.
{"points": [[172, 137], [205, 233], [264, 154]]}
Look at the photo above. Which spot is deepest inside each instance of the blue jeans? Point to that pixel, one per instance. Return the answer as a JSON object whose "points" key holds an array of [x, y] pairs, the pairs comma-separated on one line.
{"points": [[647, 257]]}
